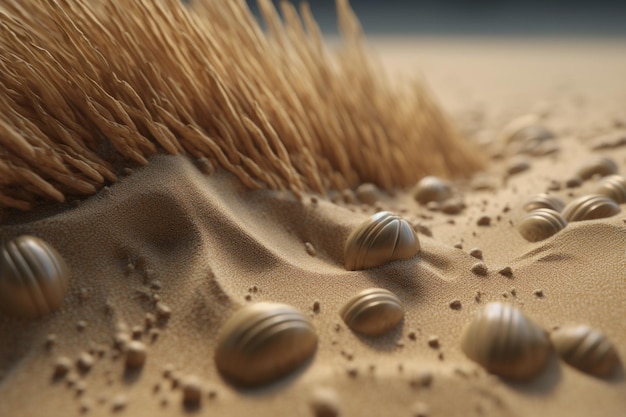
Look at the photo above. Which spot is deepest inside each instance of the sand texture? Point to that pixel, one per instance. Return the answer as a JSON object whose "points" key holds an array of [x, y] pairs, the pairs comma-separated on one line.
{"points": [[205, 246]]}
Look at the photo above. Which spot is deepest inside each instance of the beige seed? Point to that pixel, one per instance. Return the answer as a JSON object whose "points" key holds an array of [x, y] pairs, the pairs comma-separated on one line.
{"points": [[33, 277], [590, 207], [586, 349], [368, 193], [263, 342], [541, 224], [598, 165], [614, 187], [542, 200], [382, 238], [502, 340], [432, 189], [373, 312]]}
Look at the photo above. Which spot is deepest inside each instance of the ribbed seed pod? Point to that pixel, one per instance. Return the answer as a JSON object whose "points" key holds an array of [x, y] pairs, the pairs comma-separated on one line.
{"points": [[546, 201], [33, 277], [373, 312], [382, 238], [614, 187], [263, 342], [590, 207], [598, 165], [502, 340], [432, 189], [586, 349], [540, 224]]}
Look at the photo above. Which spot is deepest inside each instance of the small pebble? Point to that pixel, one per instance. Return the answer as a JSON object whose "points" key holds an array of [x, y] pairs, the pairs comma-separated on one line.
{"points": [[420, 409], [83, 294], [135, 354], [192, 390], [62, 366], [554, 186], [412, 336], [51, 341], [120, 340], [423, 380], [479, 268], [433, 206], [455, 304], [85, 406], [518, 165], [136, 332], [452, 206], [81, 325], [119, 402], [573, 182], [85, 361], [163, 312], [80, 387], [476, 253], [352, 371], [325, 403], [539, 293], [484, 221], [310, 249], [149, 320], [433, 342], [506, 271], [458, 246], [316, 307]]}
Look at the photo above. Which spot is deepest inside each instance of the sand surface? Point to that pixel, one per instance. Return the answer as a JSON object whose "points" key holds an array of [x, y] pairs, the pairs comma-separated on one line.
{"points": [[204, 246]]}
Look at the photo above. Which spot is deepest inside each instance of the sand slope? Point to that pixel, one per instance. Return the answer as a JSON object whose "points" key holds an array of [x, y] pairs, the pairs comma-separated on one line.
{"points": [[202, 244]]}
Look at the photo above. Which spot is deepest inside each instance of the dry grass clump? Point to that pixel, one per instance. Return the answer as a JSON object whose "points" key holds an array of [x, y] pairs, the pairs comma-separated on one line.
{"points": [[89, 87]]}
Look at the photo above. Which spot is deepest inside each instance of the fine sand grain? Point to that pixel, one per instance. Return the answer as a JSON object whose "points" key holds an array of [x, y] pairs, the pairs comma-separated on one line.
{"points": [[168, 254]]}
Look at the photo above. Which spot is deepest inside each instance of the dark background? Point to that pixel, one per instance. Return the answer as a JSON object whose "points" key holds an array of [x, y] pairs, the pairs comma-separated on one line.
{"points": [[480, 17]]}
